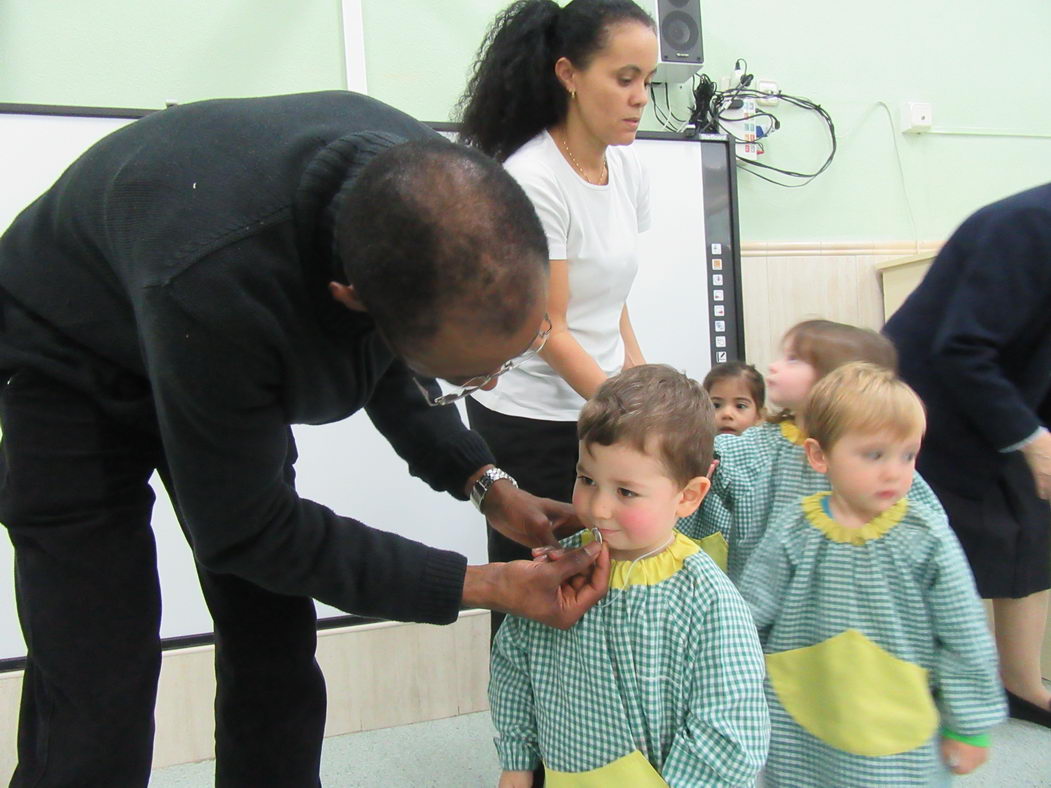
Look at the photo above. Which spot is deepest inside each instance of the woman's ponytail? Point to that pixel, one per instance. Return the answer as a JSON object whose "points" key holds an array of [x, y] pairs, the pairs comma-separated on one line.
{"points": [[513, 93]]}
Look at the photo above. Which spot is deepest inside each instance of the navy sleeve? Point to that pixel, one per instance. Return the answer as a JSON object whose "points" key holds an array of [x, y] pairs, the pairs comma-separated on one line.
{"points": [[1005, 280]]}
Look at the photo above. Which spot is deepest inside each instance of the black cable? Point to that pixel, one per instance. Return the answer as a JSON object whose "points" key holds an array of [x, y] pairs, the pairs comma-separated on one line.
{"points": [[660, 114], [667, 103], [665, 115], [808, 105], [703, 95], [708, 114]]}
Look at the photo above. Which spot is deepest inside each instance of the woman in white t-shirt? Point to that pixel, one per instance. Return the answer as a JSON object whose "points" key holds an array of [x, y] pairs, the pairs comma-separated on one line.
{"points": [[557, 95]]}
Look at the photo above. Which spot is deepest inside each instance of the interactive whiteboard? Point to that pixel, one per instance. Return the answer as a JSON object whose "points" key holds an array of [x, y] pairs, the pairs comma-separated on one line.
{"points": [[348, 466]]}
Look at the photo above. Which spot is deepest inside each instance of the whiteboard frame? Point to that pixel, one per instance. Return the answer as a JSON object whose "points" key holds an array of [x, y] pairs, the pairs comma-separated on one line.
{"points": [[354, 45], [720, 216]]}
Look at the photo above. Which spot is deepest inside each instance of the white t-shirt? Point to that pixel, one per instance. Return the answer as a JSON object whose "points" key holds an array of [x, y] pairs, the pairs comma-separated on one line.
{"points": [[595, 229]]}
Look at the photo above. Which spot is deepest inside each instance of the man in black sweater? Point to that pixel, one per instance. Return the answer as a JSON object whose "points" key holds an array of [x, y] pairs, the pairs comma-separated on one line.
{"points": [[194, 284]]}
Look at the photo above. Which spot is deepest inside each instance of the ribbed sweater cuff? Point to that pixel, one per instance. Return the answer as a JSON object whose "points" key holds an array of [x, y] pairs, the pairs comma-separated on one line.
{"points": [[441, 588], [464, 455]]}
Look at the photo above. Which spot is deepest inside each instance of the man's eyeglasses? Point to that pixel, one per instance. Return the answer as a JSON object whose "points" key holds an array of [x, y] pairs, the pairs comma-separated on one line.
{"points": [[475, 383]]}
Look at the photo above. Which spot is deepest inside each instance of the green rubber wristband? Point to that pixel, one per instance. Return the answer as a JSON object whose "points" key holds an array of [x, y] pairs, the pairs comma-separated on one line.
{"points": [[977, 740]]}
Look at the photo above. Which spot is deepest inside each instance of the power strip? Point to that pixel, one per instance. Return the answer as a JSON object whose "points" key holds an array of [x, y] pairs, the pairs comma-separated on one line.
{"points": [[739, 120]]}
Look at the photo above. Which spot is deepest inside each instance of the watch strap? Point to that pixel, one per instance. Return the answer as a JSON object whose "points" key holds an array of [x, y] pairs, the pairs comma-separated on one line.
{"points": [[485, 482]]}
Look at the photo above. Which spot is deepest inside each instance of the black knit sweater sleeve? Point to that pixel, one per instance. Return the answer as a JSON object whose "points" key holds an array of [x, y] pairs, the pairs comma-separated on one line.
{"points": [[225, 435], [431, 440]]}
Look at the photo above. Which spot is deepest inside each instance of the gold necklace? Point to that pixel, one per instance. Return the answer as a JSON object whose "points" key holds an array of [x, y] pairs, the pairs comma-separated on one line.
{"points": [[573, 160]]}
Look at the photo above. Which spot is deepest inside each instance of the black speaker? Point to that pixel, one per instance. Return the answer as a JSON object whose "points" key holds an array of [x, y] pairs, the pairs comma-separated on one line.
{"points": [[679, 36]]}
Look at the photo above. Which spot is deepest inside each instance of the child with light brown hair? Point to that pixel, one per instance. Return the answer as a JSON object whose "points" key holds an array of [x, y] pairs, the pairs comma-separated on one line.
{"points": [[881, 669], [661, 683], [764, 469]]}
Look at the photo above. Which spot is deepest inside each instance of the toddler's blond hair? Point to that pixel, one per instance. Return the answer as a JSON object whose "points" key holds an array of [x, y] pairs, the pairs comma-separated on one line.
{"points": [[861, 397]]}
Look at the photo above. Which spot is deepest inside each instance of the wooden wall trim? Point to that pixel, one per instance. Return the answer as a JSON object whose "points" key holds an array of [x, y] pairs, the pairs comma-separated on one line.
{"points": [[819, 248]]}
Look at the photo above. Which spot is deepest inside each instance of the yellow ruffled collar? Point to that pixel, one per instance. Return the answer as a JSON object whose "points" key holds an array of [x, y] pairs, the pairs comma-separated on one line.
{"points": [[652, 570], [791, 433], [813, 507]]}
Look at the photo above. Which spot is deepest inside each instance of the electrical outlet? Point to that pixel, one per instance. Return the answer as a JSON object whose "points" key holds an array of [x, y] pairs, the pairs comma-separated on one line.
{"points": [[770, 88], [916, 117]]}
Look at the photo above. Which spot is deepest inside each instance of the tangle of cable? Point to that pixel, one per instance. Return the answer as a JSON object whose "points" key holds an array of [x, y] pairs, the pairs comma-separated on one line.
{"points": [[711, 113]]}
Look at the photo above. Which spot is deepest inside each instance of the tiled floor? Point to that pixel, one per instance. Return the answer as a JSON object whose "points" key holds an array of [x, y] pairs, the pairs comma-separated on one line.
{"points": [[458, 753]]}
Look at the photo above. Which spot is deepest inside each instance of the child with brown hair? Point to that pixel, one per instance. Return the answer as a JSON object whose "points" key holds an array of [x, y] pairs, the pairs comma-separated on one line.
{"points": [[764, 469], [881, 669], [661, 683], [738, 393]]}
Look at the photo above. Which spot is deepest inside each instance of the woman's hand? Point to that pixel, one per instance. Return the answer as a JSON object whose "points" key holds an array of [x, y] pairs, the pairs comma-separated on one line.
{"points": [[1038, 454]]}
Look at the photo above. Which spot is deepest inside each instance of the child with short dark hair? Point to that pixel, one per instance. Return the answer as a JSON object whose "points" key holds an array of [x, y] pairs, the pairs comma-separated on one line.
{"points": [[881, 669], [738, 394], [661, 682]]}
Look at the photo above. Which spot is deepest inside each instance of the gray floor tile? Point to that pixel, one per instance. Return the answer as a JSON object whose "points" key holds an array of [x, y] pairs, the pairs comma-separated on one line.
{"points": [[458, 753]]}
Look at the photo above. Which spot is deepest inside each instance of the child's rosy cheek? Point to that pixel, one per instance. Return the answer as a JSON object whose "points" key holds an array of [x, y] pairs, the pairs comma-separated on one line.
{"points": [[635, 519]]}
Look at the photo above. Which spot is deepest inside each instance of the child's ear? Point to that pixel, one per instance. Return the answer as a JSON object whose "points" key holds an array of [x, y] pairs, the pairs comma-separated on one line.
{"points": [[692, 495], [815, 455]]}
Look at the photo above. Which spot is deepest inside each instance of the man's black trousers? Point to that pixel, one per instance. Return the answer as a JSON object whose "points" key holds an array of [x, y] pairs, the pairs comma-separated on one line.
{"points": [[75, 498]]}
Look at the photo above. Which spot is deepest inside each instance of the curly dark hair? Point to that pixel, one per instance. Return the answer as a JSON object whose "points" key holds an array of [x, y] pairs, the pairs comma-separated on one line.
{"points": [[513, 93], [429, 227]]}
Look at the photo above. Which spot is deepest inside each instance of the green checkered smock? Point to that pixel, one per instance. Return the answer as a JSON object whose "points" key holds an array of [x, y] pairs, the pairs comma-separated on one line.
{"points": [[871, 609], [761, 472], [667, 664]]}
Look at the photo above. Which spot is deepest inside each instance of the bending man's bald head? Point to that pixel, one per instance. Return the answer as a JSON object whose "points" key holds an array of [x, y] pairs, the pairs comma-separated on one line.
{"points": [[431, 230]]}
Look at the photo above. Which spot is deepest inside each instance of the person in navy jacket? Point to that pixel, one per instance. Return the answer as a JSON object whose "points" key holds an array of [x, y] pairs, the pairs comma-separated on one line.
{"points": [[974, 339]]}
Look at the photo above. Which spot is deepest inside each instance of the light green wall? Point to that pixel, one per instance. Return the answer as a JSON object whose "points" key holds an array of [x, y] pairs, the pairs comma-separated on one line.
{"points": [[140, 53], [980, 64]]}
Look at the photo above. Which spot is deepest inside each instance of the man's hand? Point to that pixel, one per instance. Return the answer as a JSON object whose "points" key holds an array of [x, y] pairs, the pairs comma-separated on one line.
{"points": [[528, 520], [962, 758], [555, 593], [1038, 454]]}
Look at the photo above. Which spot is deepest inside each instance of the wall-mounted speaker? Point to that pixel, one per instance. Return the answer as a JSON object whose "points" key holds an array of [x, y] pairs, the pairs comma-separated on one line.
{"points": [[679, 36]]}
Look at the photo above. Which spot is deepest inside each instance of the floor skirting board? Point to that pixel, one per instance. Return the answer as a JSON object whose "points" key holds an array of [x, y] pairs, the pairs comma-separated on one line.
{"points": [[378, 675]]}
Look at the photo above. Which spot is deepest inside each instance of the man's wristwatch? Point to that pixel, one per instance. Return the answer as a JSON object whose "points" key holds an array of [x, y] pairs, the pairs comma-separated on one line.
{"points": [[481, 487]]}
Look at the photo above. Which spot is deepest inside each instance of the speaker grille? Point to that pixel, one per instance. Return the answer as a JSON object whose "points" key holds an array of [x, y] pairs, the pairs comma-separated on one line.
{"points": [[679, 32], [679, 24]]}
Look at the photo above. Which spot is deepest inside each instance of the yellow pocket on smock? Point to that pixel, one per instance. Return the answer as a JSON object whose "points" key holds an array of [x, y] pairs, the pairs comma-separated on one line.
{"points": [[855, 696], [716, 548], [629, 771]]}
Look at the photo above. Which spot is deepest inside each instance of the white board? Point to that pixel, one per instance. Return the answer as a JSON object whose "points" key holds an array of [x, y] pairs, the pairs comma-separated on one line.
{"points": [[668, 306]]}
